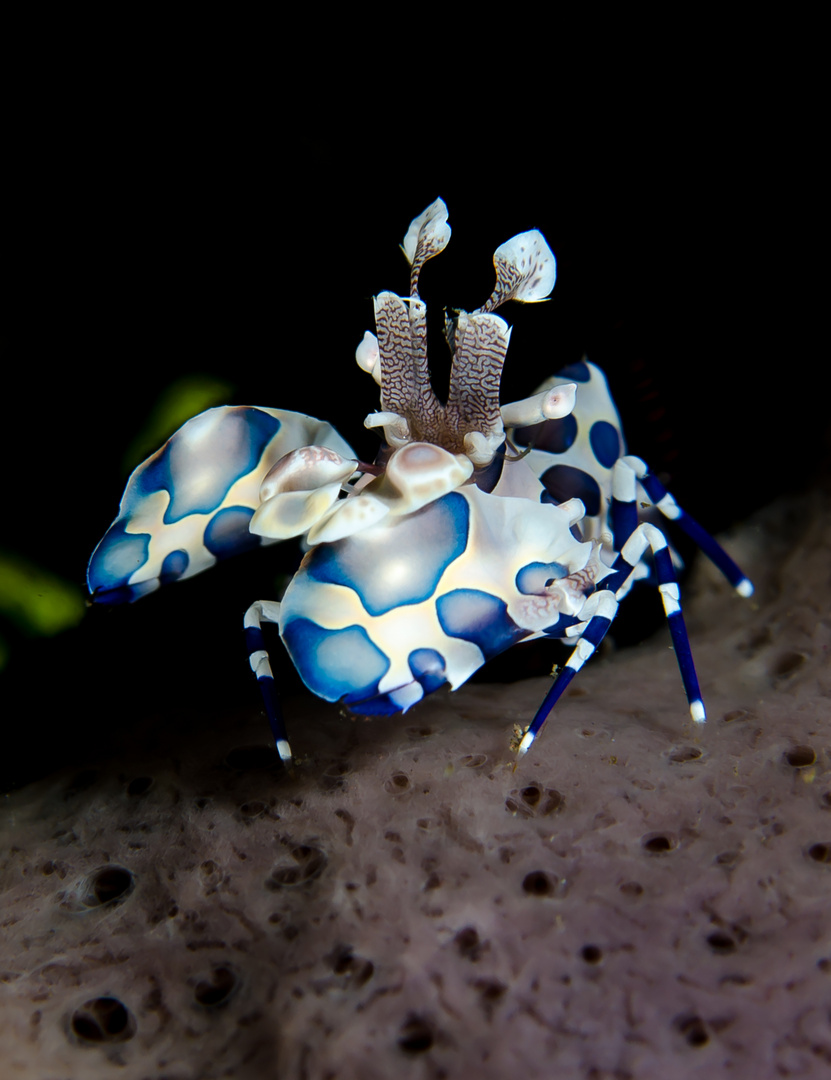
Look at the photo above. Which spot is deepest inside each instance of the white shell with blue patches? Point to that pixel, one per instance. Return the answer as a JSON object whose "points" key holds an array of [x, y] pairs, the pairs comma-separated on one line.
{"points": [[574, 457], [385, 616], [454, 546], [191, 503]]}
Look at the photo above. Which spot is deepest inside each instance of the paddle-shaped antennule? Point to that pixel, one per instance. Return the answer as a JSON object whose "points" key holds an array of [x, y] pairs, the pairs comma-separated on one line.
{"points": [[427, 235], [525, 270]]}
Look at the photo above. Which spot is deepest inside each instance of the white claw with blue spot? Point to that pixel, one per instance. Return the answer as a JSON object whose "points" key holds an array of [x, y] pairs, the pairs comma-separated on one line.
{"points": [[448, 550]]}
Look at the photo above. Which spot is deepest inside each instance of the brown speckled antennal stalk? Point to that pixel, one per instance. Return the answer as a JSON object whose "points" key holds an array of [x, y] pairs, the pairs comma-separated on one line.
{"points": [[473, 404], [405, 377]]}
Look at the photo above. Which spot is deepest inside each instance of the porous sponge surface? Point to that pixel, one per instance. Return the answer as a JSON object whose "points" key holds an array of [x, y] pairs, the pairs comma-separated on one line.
{"points": [[638, 898]]}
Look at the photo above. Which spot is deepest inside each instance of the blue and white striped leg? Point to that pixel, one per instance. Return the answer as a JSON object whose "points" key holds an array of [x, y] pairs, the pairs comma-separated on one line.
{"points": [[670, 509], [644, 536], [266, 611], [604, 606], [624, 509]]}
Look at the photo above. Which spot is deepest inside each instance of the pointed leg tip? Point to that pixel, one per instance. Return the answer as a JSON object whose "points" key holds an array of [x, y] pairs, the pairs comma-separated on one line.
{"points": [[284, 750], [745, 587], [525, 745], [697, 712]]}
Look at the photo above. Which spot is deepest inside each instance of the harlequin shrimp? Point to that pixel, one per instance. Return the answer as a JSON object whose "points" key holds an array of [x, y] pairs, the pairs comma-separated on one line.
{"points": [[478, 526]]}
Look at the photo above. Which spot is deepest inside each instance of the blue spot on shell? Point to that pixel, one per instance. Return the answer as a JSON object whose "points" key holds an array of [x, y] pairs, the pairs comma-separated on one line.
{"points": [[531, 579], [174, 565], [125, 594], [558, 629], [119, 555], [429, 668], [336, 664], [198, 465], [380, 705], [487, 477], [227, 532], [555, 436], [480, 618], [605, 442], [578, 372], [402, 561], [563, 482]]}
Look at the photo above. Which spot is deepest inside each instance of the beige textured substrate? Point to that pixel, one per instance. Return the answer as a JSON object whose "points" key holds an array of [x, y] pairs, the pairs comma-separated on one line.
{"points": [[637, 899]]}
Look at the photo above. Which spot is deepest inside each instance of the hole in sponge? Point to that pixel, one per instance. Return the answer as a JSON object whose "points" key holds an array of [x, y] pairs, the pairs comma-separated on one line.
{"points": [[416, 1036], [693, 1030], [215, 989], [303, 863], [103, 1019], [104, 887], [788, 664], [356, 970], [820, 853], [397, 784], [658, 843], [592, 954], [800, 756], [469, 943], [683, 754], [537, 883], [721, 943]]}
